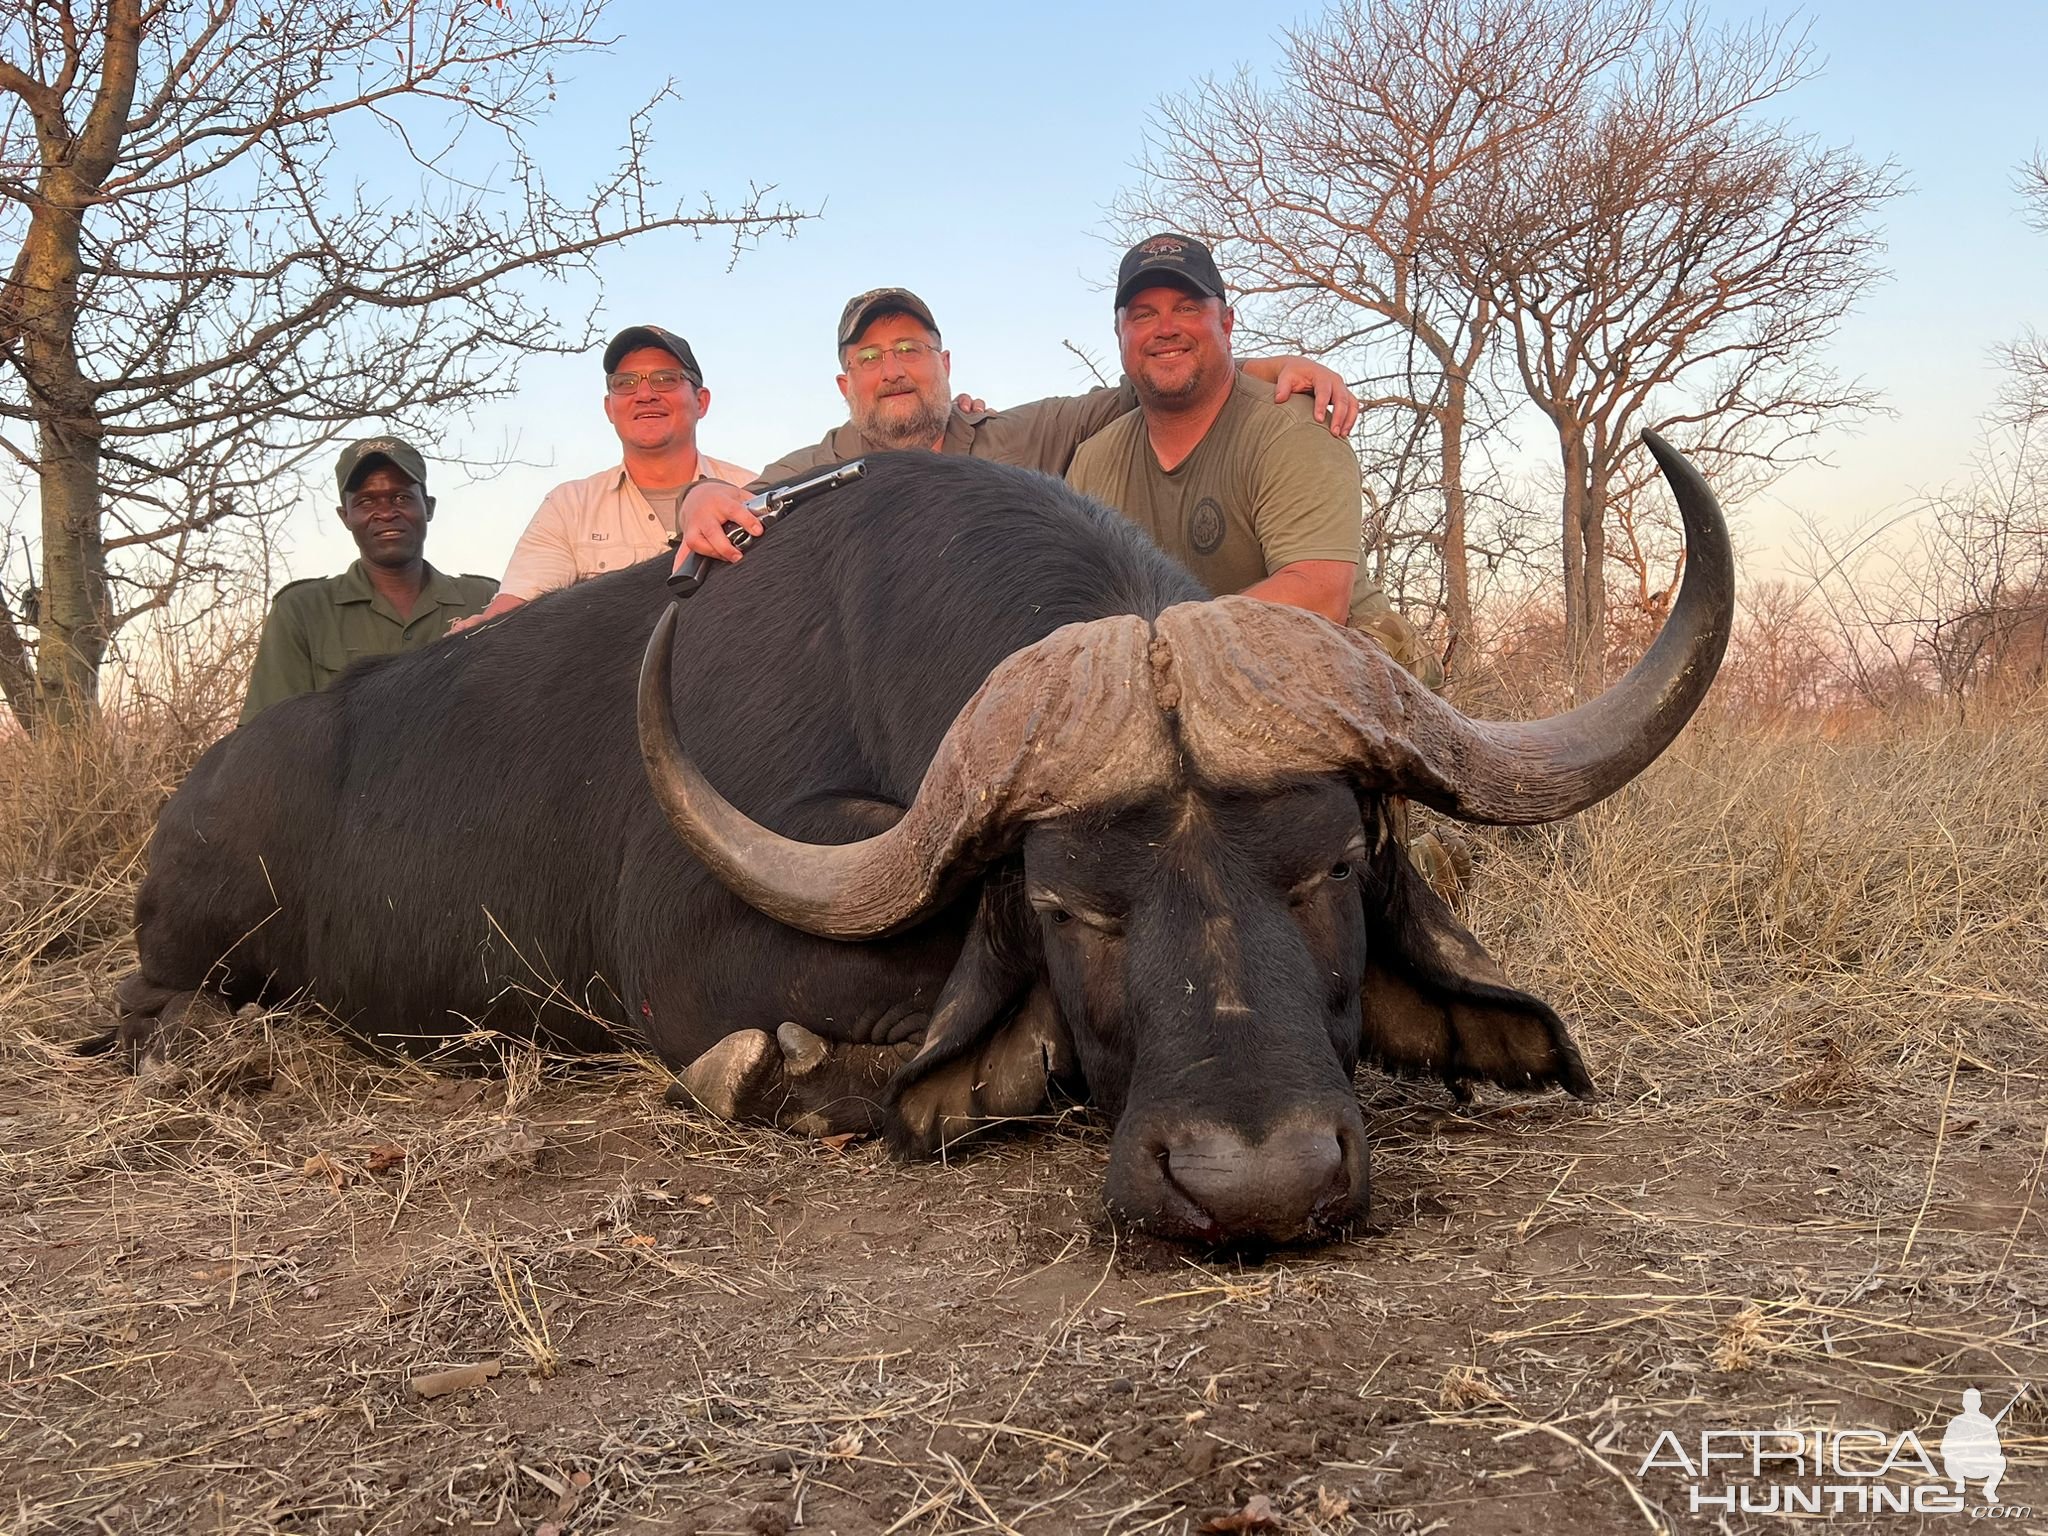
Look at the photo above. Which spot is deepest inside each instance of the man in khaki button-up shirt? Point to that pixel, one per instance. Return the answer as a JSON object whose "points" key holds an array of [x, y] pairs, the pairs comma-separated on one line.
{"points": [[654, 398], [389, 600]]}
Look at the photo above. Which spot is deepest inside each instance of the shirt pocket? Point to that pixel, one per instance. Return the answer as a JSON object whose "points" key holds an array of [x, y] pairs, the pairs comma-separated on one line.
{"points": [[332, 662], [598, 551]]}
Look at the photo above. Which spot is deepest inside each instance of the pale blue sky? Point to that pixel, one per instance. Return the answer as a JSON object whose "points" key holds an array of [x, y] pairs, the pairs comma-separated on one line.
{"points": [[969, 153]]}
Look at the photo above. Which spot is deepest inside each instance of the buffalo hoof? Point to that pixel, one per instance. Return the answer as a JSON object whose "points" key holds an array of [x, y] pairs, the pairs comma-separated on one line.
{"points": [[153, 1024], [732, 1080], [795, 1078], [1010, 1077], [832, 1087]]}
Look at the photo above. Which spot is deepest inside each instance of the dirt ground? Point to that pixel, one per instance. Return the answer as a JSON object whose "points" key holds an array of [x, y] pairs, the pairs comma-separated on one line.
{"points": [[225, 1286]]}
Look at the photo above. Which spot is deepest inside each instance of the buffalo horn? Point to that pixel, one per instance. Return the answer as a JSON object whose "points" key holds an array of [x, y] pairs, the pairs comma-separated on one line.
{"points": [[1066, 722], [1269, 692]]}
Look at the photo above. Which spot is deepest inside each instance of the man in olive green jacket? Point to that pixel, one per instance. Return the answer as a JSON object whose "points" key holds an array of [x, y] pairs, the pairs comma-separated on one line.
{"points": [[389, 600]]}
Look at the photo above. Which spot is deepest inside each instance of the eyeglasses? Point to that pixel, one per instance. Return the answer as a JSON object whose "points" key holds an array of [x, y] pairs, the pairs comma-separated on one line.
{"points": [[663, 381], [867, 359]]}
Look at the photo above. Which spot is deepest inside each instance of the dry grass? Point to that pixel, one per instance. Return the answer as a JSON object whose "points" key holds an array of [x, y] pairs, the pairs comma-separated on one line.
{"points": [[1807, 970], [1822, 913]]}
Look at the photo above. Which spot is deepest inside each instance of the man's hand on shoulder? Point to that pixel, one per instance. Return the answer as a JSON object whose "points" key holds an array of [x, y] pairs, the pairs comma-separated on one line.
{"points": [[1291, 376], [710, 506]]}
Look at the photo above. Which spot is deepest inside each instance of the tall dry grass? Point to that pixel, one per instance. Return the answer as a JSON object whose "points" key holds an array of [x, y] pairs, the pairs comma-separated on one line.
{"points": [[76, 810], [1813, 908]]}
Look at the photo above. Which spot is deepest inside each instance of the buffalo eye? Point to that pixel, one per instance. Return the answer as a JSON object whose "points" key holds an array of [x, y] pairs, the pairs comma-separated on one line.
{"points": [[1060, 917], [1340, 870]]}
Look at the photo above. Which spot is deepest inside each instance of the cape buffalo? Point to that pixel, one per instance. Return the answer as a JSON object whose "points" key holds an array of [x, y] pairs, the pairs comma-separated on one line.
{"points": [[989, 770]]}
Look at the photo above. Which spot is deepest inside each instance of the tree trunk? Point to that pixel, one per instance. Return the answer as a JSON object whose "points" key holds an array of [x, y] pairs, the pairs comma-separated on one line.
{"points": [[1457, 576], [17, 675], [75, 161], [74, 609], [1585, 576]]}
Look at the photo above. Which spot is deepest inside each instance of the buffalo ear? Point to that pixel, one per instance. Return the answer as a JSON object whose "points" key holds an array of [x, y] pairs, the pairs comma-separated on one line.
{"points": [[995, 1043], [1434, 1003]]}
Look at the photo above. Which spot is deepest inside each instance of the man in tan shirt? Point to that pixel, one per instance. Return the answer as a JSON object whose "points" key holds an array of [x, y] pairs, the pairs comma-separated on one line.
{"points": [[1251, 495], [654, 398], [897, 384]]}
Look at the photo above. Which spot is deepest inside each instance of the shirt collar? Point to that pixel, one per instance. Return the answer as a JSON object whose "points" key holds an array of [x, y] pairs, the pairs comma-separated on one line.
{"points": [[353, 585], [436, 590], [847, 441]]}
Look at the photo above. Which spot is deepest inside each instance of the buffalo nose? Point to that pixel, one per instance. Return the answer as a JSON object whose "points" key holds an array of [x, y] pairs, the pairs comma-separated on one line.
{"points": [[1277, 1189]]}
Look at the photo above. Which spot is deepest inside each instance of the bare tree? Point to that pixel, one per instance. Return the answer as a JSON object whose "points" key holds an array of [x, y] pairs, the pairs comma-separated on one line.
{"points": [[1591, 180], [1780, 659], [1332, 196], [1671, 258], [1958, 607], [234, 231], [2026, 360]]}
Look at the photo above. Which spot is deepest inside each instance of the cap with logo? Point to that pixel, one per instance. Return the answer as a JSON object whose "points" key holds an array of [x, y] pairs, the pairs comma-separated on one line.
{"points": [[1170, 258], [862, 309], [358, 459], [633, 337]]}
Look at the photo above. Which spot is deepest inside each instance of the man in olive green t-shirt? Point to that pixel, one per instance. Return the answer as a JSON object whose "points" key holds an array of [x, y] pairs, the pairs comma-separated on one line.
{"points": [[389, 600], [1250, 495]]}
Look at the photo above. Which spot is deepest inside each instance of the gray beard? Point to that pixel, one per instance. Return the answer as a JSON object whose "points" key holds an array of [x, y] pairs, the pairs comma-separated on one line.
{"points": [[920, 429]]}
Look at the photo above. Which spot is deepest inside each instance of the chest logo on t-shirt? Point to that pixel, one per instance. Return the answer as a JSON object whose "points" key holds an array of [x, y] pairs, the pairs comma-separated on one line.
{"points": [[1205, 527]]}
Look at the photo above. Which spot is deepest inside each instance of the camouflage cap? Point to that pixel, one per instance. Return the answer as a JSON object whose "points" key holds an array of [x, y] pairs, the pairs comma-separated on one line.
{"points": [[862, 308], [359, 458]]}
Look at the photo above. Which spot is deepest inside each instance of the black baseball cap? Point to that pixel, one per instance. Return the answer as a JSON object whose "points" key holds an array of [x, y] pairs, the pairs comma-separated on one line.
{"points": [[635, 336], [1175, 258], [863, 307], [358, 459]]}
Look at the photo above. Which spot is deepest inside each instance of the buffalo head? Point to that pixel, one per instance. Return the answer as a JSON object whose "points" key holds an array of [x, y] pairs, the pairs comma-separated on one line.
{"points": [[1180, 828]]}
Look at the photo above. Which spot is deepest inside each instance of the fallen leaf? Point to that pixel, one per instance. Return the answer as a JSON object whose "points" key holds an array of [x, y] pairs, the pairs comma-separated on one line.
{"points": [[840, 1142], [384, 1157], [846, 1446], [1258, 1514], [462, 1377], [703, 1200], [639, 1240], [321, 1166]]}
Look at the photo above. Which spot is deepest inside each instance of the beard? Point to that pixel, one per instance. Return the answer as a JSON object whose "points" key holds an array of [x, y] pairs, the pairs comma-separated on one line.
{"points": [[1170, 393], [912, 420]]}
